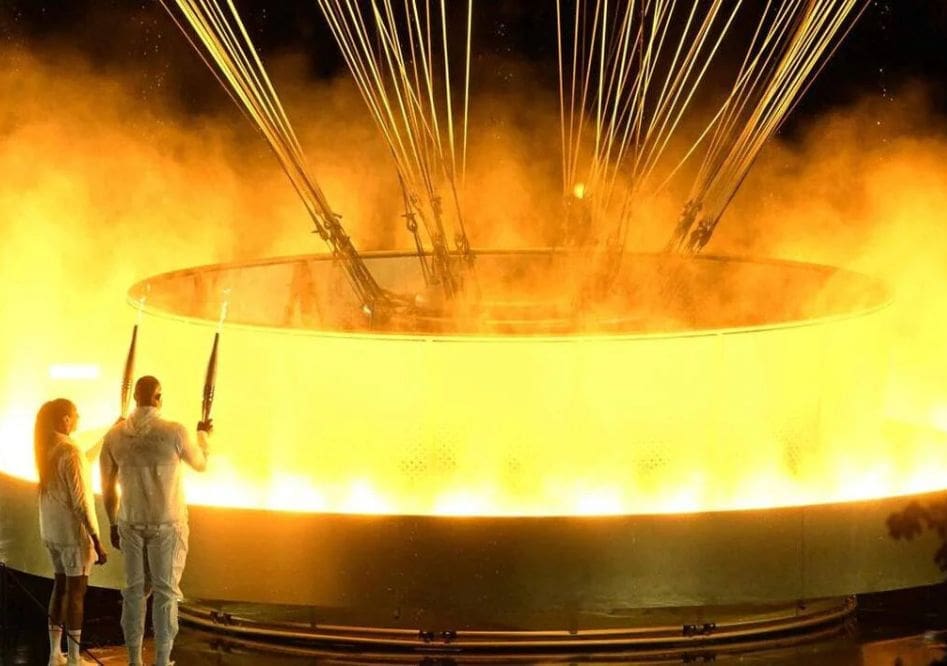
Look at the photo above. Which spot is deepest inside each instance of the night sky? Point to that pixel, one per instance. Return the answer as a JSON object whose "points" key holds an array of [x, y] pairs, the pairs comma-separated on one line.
{"points": [[896, 42]]}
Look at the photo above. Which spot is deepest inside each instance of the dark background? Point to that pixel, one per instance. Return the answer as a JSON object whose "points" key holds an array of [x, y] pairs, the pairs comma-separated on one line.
{"points": [[896, 42]]}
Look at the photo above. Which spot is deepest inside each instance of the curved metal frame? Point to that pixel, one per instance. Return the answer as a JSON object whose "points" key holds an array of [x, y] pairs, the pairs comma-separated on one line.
{"points": [[396, 270], [735, 625]]}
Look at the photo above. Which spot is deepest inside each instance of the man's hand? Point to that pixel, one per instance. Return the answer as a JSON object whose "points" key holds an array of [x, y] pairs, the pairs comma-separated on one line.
{"points": [[206, 426], [114, 538], [101, 557]]}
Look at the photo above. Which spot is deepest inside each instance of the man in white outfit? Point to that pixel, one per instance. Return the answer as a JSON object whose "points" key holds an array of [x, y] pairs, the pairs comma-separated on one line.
{"points": [[143, 455]]}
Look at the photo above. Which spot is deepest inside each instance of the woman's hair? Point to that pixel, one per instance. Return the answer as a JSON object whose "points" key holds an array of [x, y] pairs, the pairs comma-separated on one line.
{"points": [[48, 417]]}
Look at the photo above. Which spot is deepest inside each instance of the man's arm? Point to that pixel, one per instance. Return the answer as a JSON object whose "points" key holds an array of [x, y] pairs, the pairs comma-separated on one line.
{"points": [[193, 454], [109, 469]]}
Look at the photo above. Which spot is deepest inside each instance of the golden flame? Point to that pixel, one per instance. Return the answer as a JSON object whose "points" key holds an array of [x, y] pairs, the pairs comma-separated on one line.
{"points": [[334, 462]]}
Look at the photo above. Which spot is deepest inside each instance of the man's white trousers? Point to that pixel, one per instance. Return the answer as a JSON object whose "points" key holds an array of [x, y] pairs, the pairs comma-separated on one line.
{"points": [[154, 561]]}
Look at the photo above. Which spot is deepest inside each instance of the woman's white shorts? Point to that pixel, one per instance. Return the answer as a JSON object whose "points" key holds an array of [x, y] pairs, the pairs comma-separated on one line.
{"points": [[71, 560]]}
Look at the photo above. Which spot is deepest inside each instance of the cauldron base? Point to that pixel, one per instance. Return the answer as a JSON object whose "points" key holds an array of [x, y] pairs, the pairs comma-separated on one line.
{"points": [[654, 632]]}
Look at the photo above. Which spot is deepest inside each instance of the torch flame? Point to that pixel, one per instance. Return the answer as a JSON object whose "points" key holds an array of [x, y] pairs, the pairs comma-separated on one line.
{"points": [[141, 304], [224, 307]]}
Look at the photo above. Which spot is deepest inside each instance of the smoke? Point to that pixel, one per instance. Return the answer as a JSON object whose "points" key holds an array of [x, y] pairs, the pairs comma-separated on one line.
{"points": [[98, 191], [864, 187]]}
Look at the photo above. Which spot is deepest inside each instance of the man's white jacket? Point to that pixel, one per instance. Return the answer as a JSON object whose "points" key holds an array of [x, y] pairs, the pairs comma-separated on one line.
{"points": [[144, 455]]}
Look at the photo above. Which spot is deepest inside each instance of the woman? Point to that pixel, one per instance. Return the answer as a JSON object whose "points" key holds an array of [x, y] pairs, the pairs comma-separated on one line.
{"points": [[68, 525]]}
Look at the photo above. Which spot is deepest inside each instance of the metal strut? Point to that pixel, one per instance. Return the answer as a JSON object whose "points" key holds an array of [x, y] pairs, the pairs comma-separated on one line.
{"points": [[411, 223], [679, 239], [440, 255], [373, 298]]}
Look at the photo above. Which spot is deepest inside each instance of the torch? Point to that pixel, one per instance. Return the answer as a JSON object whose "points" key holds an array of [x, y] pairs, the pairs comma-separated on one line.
{"points": [[129, 373], [130, 359], [210, 378]]}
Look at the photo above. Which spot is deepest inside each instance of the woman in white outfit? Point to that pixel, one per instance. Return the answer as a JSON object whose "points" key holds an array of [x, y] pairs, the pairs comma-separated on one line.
{"points": [[67, 523]]}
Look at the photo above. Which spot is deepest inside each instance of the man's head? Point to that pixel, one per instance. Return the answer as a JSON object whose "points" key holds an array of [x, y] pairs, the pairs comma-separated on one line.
{"points": [[148, 392]]}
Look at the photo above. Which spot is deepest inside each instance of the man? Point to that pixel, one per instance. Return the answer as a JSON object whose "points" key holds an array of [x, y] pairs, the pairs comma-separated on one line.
{"points": [[143, 455], [67, 523]]}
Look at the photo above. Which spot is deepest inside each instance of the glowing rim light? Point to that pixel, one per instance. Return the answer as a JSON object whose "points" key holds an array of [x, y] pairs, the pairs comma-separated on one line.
{"points": [[363, 498], [463, 503], [598, 502]]}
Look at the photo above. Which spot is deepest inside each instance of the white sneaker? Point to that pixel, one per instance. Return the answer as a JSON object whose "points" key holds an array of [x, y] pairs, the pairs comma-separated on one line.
{"points": [[57, 659]]}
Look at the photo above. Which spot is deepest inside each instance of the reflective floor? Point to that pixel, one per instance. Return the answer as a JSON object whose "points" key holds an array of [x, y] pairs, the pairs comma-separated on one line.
{"points": [[894, 629]]}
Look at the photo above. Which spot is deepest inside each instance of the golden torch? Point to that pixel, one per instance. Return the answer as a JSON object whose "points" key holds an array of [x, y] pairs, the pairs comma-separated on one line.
{"points": [[210, 381], [210, 378], [129, 373]]}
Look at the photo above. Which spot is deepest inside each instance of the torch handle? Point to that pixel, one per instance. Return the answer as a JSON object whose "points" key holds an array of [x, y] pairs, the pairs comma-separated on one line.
{"points": [[210, 380], [129, 373]]}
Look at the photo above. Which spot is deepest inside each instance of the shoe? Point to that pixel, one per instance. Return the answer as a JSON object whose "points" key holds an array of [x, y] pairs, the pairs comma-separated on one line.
{"points": [[82, 662], [57, 659]]}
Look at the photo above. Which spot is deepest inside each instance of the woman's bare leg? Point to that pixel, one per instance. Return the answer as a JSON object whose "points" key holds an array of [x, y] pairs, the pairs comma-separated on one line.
{"points": [[57, 608], [57, 600], [75, 603]]}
